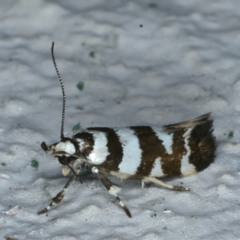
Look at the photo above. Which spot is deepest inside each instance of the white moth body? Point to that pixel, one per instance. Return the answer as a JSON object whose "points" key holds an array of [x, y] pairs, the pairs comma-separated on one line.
{"points": [[140, 152]]}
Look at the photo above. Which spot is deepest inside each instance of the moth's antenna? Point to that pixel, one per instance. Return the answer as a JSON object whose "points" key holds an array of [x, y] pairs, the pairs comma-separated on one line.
{"points": [[63, 91]]}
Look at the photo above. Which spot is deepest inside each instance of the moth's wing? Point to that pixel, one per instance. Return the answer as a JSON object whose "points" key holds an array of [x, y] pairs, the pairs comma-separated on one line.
{"points": [[201, 120], [198, 132]]}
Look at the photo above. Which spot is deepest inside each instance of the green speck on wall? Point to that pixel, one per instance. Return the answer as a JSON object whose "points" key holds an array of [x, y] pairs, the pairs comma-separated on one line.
{"points": [[34, 164], [80, 86], [230, 135], [152, 5], [76, 127], [92, 54]]}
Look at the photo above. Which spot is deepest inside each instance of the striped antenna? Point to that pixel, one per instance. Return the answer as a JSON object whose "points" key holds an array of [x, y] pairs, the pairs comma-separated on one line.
{"points": [[63, 91], [63, 108]]}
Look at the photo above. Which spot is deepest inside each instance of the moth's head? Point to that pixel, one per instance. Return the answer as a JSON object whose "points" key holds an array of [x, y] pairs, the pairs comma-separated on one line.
{"points": [[64, 148], [65, 152]]}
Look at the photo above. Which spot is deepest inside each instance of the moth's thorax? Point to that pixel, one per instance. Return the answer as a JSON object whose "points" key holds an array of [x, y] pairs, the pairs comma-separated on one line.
{"points": [[92, 145]]}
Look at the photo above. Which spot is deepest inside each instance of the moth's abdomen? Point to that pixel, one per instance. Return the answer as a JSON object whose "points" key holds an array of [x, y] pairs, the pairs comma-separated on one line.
{"points": [[181, 149]]}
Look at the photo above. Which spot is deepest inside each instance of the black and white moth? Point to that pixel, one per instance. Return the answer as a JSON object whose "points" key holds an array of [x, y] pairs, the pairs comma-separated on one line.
{"points": [[140, 152]]}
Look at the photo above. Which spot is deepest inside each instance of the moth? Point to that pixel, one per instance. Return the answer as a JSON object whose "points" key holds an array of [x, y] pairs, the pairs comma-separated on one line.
{"points": [[140, 152]]}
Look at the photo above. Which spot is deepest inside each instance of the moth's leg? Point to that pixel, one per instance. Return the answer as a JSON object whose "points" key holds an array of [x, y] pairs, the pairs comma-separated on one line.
{"points": [[112, 190], [73, 166], [58, 198], [165, 185]]}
